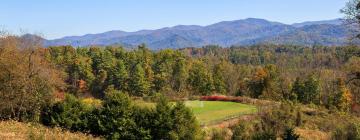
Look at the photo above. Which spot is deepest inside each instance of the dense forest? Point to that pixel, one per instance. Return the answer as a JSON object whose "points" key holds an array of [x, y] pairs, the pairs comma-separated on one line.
{"points": [[304, 74]]}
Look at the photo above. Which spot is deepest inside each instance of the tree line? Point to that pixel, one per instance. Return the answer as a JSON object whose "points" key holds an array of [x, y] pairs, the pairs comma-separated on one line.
{"points": [[318, 75]]}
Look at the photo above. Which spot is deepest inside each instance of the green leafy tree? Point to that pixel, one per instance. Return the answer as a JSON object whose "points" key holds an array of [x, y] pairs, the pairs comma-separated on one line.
{"points": [[265, 83], [218, 77], [200, 79], [307, 91], [163, 68], [146, 59], [352, 12], [179, 75]]}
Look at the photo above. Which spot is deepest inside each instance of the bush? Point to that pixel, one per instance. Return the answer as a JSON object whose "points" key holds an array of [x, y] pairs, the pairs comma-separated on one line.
{"points": [[218, 134], [242, 132], [118, 118], [115, 120], [69, 114], [264, 135], [348, 132]]}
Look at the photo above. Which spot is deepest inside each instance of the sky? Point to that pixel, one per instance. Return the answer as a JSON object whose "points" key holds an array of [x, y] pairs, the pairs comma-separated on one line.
{"points": [[58, 18]]}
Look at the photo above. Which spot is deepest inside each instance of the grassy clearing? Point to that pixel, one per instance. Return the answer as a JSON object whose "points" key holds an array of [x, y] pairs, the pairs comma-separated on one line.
{"points": [[213, 111], [208, 112], [10, 130]]}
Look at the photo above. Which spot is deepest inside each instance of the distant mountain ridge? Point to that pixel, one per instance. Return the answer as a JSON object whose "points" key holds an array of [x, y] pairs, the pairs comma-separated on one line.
{"points": [[337, 21], [239, 32]]}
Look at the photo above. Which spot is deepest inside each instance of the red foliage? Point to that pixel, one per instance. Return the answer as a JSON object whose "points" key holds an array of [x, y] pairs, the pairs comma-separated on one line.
{"points": [[221, 98], [355, 108], [59, 95]]}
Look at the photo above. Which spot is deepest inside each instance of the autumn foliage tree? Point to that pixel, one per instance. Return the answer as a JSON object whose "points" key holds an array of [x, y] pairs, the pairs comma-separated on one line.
{"points": [[27, 80], [343, 97]]}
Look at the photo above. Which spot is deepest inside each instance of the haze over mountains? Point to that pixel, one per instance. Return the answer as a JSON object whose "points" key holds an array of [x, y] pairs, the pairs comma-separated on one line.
{"points": [[227, 33]]}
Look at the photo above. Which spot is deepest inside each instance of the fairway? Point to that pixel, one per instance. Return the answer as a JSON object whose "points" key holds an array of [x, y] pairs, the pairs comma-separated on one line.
{"points": [[208, 112], [213, 111]]}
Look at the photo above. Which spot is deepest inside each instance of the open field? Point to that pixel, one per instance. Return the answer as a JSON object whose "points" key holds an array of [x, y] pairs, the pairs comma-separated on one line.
{"points": [[214, 111], [10, 130], [210, 112]]}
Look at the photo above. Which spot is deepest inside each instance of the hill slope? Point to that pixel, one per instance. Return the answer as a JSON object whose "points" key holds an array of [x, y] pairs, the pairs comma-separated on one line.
{"points": [[16, 130], [239, 32]]}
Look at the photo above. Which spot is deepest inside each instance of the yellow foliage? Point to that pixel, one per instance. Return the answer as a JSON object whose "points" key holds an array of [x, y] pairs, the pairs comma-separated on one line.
{"points": [[91, 102], [10, 130], [260, 74]]}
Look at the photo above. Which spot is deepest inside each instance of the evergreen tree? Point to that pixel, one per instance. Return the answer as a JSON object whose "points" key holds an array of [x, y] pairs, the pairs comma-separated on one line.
{"points": [[185, 126], [163, 120], [120, 76], [139, 85], [115, 120]]}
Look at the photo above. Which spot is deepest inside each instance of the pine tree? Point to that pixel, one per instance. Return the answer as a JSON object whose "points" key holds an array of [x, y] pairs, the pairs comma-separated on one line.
{"points": [[120, 76], [139, 85], [163, 122]]}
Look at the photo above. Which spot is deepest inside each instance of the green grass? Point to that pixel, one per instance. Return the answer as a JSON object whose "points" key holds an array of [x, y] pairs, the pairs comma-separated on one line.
{"points": [[213, 111], [208, 112]]}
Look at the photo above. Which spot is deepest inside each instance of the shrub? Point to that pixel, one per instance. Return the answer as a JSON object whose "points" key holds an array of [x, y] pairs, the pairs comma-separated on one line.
{"points": [[118, 118], [348, 132], [68, 114], [242, 132], [115, 120]]}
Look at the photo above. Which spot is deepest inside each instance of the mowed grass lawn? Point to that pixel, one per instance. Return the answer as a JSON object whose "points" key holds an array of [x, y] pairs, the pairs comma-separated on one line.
{"points": [[213, 111]]}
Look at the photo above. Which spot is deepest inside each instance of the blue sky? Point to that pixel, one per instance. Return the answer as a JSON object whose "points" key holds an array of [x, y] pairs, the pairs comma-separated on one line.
{"points": [[58, 18]]}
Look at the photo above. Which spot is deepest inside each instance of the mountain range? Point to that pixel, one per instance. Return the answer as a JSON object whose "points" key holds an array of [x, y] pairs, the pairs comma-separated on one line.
{"points": [[227, 33]]}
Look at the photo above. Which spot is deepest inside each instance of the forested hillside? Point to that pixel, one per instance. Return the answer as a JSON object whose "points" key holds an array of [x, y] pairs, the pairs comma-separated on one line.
{"points": [[266, 71], [249, 31]]}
